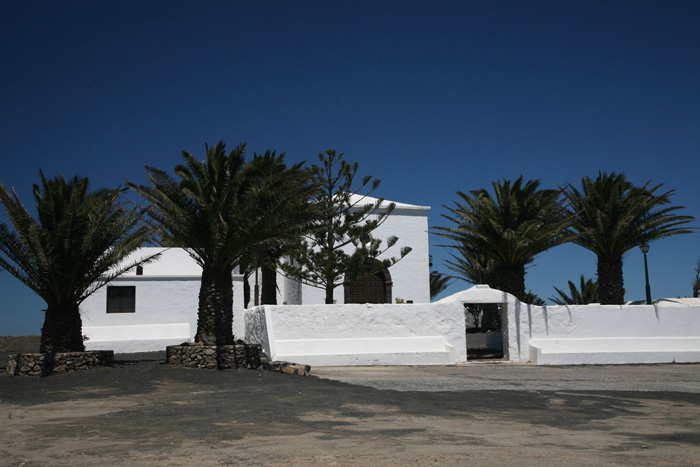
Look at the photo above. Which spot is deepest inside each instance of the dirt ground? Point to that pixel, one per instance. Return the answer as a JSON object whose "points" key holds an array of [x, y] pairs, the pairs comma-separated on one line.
{"points": [[142, 412]]}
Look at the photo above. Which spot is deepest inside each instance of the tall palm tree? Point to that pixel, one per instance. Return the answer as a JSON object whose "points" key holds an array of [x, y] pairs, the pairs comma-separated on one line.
{"points": [[613, 216], [76, 244], [219, 210], [588, 293], [500, 235], [297, 217]]}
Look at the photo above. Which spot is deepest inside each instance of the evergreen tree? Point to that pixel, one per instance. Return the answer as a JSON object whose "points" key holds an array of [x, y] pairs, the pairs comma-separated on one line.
{"points": [[345, 219]]}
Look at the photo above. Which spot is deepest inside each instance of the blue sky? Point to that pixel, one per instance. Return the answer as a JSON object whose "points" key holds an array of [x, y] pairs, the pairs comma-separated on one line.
{"points": [[430, 97]]}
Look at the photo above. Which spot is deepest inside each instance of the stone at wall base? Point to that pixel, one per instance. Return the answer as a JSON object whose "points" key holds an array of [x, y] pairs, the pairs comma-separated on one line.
{"points": [[288, 368], [238, 355], [40, 364]]}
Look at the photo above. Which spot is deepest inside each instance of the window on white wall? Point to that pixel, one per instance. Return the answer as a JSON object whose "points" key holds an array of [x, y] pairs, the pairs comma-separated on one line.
{"points": [[121, 299]]}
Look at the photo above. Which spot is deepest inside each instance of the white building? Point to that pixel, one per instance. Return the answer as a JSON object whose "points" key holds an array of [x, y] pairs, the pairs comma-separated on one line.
{"points": [[156, 305]]}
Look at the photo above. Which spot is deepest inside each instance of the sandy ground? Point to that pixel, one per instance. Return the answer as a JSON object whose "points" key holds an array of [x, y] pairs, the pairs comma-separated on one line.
{"points": [[147, 413]]}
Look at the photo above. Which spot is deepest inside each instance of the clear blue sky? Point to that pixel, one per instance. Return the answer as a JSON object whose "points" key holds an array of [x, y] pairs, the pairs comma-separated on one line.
{"points": [[430, 97]]}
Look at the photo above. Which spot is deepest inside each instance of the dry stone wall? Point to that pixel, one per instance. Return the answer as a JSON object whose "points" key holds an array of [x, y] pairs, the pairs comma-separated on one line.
{"points": [[238, 355], [39, 364]]}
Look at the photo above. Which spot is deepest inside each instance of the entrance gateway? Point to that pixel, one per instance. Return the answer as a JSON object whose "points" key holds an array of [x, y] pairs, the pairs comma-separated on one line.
{"points": [[484, 331]]}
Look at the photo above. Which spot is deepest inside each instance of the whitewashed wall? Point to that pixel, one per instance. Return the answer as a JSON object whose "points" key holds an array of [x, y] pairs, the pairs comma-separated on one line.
{"points": [[368, 334], [575, 334], [170, 262], [322, 335], [158, 317], [410, 276], [167, 297]]}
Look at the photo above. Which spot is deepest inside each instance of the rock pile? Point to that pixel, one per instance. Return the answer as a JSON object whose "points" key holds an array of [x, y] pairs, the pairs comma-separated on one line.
{"points": [[288, 368]]}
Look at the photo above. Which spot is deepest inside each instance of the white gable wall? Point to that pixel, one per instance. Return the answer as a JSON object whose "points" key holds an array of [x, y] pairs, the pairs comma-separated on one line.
{"points": [[167, 299], [410, 276]]}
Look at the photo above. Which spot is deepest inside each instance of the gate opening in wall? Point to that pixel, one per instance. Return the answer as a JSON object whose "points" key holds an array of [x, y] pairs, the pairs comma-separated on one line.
{"points": [[484, 331]]}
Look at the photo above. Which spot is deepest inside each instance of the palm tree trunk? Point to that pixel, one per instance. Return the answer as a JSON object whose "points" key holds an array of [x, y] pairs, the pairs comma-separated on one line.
{"points": [[62, 330], [268, 295], [611, 285], [215, 315]]}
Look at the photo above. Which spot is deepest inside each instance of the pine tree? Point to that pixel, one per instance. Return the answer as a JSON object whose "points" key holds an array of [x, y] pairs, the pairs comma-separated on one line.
{"points": [[341, 242]]}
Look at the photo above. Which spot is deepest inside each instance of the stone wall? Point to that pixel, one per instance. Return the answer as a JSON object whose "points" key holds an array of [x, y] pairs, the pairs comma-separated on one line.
{"points": [[39, 364], [238, 355]]}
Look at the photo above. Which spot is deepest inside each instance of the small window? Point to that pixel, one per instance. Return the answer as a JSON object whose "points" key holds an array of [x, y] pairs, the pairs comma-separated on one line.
{"points": [[121, 299]]}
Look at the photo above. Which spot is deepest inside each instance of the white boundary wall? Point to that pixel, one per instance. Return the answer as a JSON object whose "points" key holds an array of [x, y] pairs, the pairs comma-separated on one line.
{"points": [[667, 331], [330, 335], [421, 334]]}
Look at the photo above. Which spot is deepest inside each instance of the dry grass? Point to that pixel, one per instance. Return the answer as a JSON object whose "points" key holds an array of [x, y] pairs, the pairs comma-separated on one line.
{"points": [[19, 344]]}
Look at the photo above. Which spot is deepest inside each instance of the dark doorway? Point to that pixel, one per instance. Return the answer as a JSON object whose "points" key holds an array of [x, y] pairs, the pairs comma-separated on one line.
{"points": [[373, 288], [484, 331]]}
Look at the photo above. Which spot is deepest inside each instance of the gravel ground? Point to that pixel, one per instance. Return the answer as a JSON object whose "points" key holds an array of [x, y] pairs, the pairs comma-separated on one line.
{"points": [[142, 412], [682, 378]]}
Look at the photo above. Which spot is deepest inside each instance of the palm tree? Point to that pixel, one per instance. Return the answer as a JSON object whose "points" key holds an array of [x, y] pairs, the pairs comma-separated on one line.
{"points": [[497, 237], [220, 211], [438, 283], [533, 299], [588, 293], [471, 266], [76, 244], [612, 216], [293, 221]]}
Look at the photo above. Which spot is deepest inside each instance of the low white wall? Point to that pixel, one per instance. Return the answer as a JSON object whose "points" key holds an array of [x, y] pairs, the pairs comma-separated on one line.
{"points": [[369, 334], [408, 334], [612, 333], [569, 334]]}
